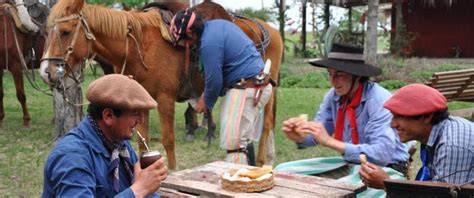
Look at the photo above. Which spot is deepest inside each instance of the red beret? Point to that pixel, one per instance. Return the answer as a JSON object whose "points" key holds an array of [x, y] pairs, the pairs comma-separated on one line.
{"points": [[120, 92], [416, 99]]}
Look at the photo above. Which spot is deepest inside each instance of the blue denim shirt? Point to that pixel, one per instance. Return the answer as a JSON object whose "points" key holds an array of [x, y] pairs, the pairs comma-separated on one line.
{"points": [[377, 139], [78, 166], [451, 148], [228, 55]]}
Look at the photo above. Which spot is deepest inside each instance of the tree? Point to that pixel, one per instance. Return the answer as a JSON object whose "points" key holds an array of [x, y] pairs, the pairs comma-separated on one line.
{"points": [[371, 46]]}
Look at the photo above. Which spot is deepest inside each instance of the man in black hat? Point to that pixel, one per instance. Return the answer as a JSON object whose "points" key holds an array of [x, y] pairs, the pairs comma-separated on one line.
{"points": [[351, 119]]}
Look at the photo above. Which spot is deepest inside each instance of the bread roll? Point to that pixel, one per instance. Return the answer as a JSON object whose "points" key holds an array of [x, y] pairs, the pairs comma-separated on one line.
{"points": [[304, 117], [363, 159], [257, 172]]}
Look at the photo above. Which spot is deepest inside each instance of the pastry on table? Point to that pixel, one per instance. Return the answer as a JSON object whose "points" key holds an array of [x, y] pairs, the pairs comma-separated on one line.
{"points": [[248, 180]]}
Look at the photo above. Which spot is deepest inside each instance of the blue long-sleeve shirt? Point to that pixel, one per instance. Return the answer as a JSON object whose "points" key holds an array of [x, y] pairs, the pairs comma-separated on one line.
{"points": [[78, 166], [377, 139], [228, 55]]}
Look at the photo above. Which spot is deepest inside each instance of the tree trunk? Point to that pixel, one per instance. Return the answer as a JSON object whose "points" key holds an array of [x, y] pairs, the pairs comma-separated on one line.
{"points": [[281, 19], [66, 114], [327, 17], [396, 44], [303, 28], [371, 46]]}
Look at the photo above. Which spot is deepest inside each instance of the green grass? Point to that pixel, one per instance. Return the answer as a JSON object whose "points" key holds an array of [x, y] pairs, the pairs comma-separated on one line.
{"points": [[23, 151]]}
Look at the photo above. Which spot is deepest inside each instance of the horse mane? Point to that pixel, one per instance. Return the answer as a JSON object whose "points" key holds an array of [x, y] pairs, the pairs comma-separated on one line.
{"points": [[113, 23]]}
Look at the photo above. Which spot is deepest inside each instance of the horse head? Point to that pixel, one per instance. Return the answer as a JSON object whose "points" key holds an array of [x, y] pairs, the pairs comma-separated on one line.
{"points": [[68, 41]]}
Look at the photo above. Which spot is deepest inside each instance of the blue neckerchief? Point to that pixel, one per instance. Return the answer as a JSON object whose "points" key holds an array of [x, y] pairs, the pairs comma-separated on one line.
{"points": [[424, 172]]}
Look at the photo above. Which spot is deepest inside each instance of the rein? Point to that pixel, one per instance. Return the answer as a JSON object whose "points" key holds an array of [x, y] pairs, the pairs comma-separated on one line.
{"points": [[23, 63], [129, 34]]}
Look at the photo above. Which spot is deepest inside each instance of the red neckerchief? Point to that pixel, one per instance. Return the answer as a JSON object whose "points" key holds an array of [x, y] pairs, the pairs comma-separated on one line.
{"points": [[351, 113]]}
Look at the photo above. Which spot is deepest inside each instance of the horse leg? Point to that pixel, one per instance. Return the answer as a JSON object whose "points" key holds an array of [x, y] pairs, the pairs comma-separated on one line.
{"points": [[211, 127], [191, 122], [17, 74], [166, 107], [266, 139], [2, 110]]}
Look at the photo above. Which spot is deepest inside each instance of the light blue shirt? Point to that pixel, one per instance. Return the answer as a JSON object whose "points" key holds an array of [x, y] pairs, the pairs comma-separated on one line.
{"points": [[78, 166], [228, 55], [451, 151], [377, 139]]}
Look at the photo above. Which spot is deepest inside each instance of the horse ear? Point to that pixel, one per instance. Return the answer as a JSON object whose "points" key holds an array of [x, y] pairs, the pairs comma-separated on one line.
{"points": [[75, 6]]}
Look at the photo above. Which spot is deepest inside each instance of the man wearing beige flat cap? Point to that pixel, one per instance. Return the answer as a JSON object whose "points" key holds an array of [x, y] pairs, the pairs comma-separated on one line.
{"points": [[96, 159], [447, 142]]}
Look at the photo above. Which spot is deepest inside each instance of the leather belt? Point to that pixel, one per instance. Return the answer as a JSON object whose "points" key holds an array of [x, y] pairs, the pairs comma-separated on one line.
{"points": [[401, 167]]}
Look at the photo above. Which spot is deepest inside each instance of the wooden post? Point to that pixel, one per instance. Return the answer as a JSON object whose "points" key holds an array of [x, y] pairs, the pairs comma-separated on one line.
{"points": [[66, 114], [371, 46], [281, 18]]}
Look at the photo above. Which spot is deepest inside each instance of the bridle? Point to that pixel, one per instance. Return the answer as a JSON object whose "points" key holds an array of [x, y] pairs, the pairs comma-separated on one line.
{"points": [[63, 61]]}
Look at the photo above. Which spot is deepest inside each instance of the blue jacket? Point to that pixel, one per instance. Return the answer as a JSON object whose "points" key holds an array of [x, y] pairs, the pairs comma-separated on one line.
{"points": [[228, 55], [377, 139], [78, 166]]}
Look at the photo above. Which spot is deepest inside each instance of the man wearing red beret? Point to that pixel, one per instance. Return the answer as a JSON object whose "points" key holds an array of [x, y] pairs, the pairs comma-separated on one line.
{"points": [[447, 142]]}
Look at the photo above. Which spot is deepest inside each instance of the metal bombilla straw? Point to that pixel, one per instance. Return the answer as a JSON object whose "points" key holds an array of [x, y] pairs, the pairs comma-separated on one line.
{"points": [[142, 139]]}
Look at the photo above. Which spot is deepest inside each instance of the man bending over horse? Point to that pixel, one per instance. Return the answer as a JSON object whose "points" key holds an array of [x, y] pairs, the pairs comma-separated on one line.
{"points": [[232, 67], [96, 159]]}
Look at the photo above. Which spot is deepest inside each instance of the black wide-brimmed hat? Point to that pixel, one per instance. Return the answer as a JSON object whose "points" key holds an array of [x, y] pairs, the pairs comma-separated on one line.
{"points": [[349, 59]]}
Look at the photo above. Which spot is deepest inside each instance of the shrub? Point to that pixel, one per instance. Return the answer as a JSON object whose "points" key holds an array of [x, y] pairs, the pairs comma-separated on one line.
{"points": [[392, 84]]}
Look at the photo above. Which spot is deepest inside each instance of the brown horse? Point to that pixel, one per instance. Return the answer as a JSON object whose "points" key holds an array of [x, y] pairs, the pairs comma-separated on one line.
{"points": [[131, 41], [14, 46]]}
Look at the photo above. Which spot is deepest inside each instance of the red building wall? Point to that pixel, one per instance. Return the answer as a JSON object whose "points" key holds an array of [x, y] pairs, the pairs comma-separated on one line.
{"points": [[439, 29]]}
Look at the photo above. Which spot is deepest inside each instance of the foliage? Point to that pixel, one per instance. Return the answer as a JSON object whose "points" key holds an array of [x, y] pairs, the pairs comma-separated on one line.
{"points": [[127, 3], [392, 84], [310, 80], [263, 14], [402, 43]]}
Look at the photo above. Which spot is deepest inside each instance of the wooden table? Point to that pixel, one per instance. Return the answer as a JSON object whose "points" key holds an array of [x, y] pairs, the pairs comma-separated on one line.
{"points": [[205, 181]]}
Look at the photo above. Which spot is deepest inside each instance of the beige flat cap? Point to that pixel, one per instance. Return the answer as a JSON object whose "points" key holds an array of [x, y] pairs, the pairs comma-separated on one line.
{"points": [[119, 92]]}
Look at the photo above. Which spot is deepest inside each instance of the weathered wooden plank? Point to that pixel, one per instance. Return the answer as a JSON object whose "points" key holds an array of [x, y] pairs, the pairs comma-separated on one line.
{"points": [[449, 81], [450, 77], [463, 71], [279, 191], [203, 188], [303, 178], [168, 192], [403, 188], [322, 181], [313, 188], [456, 85]]}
